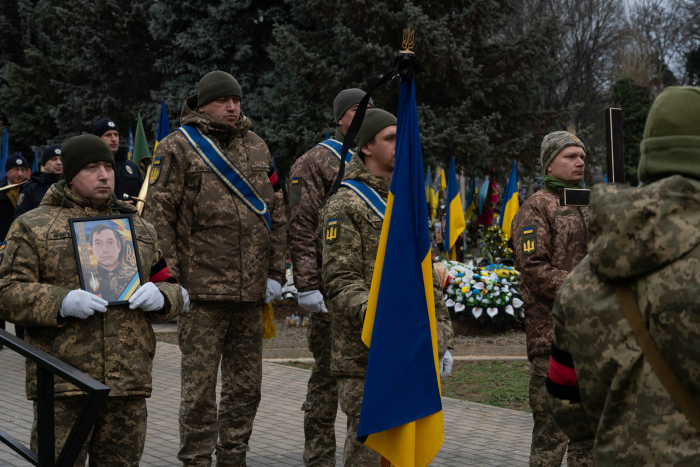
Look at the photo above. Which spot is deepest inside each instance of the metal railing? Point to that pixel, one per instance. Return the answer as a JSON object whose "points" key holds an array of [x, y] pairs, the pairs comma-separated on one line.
{"points": [[47, 367]]}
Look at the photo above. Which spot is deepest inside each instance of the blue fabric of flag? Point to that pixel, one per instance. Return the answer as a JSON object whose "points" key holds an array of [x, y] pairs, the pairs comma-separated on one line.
{"points": [[5, 153], [482, 195], [35, 165], [511, 203], [398, 329], [163, 125], [454, 215]]}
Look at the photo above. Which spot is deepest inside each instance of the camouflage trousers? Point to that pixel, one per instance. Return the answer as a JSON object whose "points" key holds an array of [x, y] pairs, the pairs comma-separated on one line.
{"points": [[117, 439], [229, 333], [549, 443], [356, 454], [321, 405]]}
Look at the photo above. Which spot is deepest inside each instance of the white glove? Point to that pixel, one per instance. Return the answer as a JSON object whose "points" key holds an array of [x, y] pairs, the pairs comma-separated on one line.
{"points": [[273, 291], [81, 304], [446, 364], [312, 301], [186, 300], [147, 297]]}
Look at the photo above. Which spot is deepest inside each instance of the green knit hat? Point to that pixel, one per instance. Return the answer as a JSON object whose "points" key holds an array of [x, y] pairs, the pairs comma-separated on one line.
{"points": [[375, 121], [671, 143], [554, 143], [216, 84], [79, 151]]}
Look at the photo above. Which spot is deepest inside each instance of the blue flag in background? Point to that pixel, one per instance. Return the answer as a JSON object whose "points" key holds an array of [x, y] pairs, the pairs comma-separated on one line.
{"points": [[401, 416], [5, 153], [163, 126], [454, 213], [35, 165], [130, 145], [511, 202], [482, 194]]}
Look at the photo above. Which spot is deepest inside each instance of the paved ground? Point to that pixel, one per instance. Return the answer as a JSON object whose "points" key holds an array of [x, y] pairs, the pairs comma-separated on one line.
{"points": [[475, 434]]}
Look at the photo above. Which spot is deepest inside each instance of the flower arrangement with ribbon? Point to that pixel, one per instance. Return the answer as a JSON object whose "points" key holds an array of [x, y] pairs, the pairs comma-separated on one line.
{"points": [[477, 293]]}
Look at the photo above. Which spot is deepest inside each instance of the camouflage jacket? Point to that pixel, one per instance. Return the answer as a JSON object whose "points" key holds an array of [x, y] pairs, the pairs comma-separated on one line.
{"points": [[348, 265], [37, 270], [648, 238], [549, 240], [215, 245], [111, 283], [315, 171]]}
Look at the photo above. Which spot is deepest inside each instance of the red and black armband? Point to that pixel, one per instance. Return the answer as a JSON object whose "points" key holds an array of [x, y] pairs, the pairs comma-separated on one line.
{"points": [[161, 273], [274, 181], [562, 382]]}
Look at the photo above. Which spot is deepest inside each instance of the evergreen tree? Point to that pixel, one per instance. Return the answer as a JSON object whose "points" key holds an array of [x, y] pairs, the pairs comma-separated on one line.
{"points": [[478, 100]]}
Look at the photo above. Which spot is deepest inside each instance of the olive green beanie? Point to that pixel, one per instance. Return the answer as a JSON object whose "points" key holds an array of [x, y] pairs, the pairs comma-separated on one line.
{"points": [[79, 151], [375, 121], [554, 143], [671, 143], [216, 84]]}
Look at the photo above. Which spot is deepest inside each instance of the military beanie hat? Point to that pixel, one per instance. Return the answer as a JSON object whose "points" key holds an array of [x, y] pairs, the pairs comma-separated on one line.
{"points": [[49, 153], [346, 99], [554, 143], [375, 121], [671, 144], [101, 127], [79, 151], [216, 84], [16, 160]]}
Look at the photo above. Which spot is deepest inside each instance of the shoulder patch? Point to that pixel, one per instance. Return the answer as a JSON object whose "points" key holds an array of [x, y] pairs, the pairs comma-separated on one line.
{"points": [[528, 240], [2, 251], [295, 191], [332, 231], [155, 170], [20, 199]]}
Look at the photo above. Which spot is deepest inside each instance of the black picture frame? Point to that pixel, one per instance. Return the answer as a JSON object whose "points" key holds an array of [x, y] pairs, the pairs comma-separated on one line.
{"points": [[128, 257]]}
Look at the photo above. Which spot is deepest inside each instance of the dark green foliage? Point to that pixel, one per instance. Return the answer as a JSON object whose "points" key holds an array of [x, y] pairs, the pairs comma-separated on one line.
{"points": [[692, 66], [635, 102]]}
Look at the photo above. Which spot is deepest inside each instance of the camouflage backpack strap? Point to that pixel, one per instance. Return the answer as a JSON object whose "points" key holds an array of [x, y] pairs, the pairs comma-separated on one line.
{"points": [[227, 171], [680, 395], [336, 147]]}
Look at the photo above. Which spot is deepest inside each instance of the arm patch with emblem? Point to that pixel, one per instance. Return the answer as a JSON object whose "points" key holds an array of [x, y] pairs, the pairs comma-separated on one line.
{"points": [[295, 191], [528, 240], [332, 231]]}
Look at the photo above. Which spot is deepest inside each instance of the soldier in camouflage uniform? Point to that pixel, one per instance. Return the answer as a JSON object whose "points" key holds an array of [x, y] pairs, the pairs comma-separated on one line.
{"points": [[312, 177], [40, 289], [549, 241], [348, 265], [647, 238], [224, 256]]}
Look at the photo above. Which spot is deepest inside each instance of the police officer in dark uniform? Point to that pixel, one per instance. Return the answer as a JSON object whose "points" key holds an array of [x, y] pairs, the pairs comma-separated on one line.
{"points": [[33, 192], [127, 178]]}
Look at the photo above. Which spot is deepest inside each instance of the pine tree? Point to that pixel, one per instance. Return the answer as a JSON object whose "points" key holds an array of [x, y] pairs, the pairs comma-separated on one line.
{"points": [[635, 102]]}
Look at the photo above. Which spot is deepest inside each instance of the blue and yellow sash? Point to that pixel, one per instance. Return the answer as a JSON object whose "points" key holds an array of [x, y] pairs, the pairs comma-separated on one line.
{"points": [[227, 172], [370, 196], [336, 147]]}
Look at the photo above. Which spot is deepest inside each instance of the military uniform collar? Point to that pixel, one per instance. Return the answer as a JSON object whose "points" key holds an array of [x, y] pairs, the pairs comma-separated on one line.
{"points": [[339, 135]]}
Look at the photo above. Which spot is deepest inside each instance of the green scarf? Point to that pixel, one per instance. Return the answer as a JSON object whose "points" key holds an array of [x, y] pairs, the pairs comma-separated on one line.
{"points": [[555, 183]]}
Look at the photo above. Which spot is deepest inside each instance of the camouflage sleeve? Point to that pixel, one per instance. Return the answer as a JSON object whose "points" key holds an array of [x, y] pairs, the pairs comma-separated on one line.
{"points": [[278, 246], [442, 317], [163, 199], [168, 287], [305, 200], [534, 259], [343, 276], [23, 300], [563, 397]]}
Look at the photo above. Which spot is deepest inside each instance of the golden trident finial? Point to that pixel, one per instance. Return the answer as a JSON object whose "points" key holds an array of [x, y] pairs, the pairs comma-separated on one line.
{"points": [[408, 40]]}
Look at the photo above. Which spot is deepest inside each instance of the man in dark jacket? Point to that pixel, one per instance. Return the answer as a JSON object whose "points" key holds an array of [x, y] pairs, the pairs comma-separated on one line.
{"points": [[33, 192], [127, 178]]}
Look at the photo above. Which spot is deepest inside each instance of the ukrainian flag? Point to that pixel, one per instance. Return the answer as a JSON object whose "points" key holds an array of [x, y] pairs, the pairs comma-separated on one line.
{"points": [[511, 203], [428, 185], [454, 216], [471, 201], [35, 164], [130, 145], [401, 415], [163, 126], [5, 153]]}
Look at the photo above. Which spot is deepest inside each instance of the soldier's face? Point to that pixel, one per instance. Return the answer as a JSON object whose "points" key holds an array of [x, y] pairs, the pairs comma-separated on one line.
{"points": [[225, 109], [95, 182], [111, 137], [16, 175], [54, 166], [380, 152], [106, 248], [568, 165], [346, 119]]}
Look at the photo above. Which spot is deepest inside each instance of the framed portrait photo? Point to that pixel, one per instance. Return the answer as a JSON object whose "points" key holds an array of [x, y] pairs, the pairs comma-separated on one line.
{"points": [[107, 256]]}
